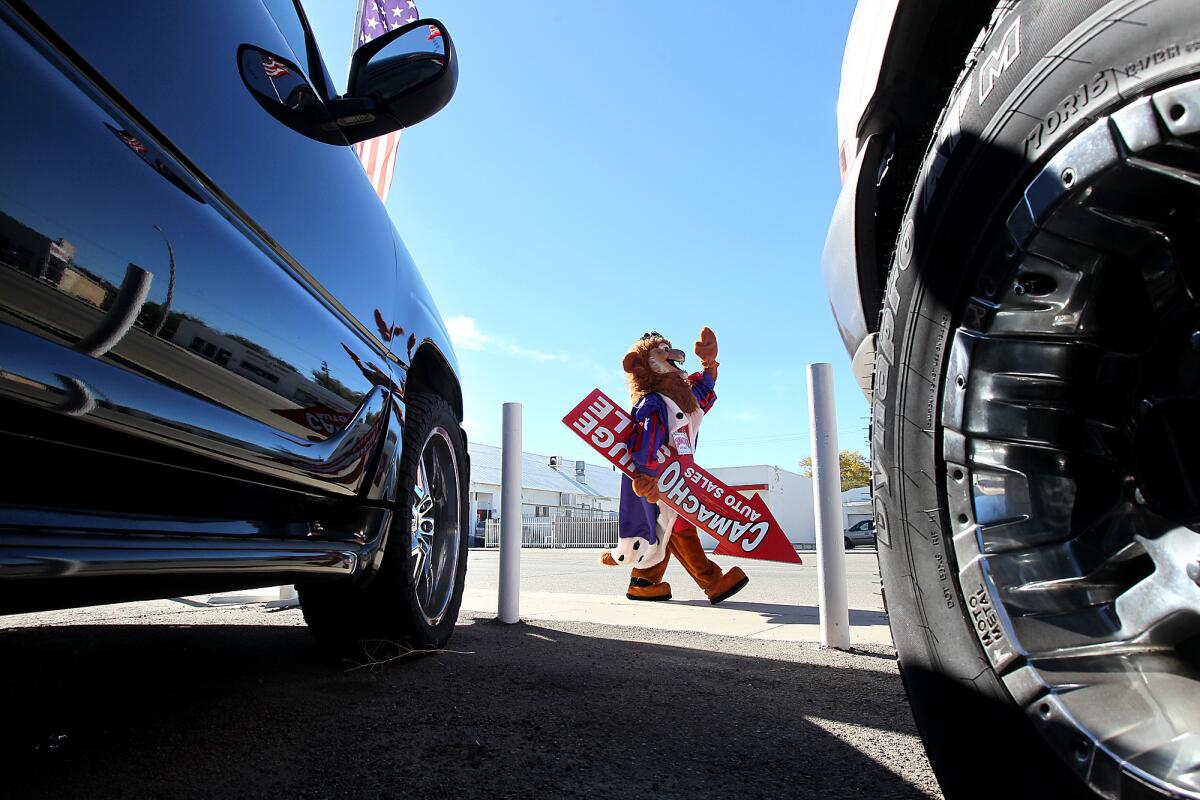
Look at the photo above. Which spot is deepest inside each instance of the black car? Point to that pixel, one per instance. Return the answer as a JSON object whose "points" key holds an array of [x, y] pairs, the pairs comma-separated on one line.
{"points": [[219, 368]]}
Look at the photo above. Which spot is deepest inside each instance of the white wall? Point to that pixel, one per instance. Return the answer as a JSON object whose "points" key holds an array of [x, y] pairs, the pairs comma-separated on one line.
{"points": [[531, 498], [856, 506], [791, 501], [788, 495], [853, 517]]}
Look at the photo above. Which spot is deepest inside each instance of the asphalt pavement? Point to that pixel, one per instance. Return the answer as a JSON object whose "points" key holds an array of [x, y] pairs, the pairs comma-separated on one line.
{"points": [[199, 698]]}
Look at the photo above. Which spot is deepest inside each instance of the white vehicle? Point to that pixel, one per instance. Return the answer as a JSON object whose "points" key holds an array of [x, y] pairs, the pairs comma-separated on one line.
{"points": [[860, 533], [1014, 265]]}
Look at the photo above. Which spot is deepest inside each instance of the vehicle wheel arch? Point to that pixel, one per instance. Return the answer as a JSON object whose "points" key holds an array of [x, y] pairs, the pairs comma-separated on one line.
{"points": [[386, 608], [931, 47], [430, 372]]}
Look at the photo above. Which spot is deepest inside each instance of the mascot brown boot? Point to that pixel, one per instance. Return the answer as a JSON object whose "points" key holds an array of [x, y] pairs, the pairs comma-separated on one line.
{"points": [[718, 585], [647, 584]]}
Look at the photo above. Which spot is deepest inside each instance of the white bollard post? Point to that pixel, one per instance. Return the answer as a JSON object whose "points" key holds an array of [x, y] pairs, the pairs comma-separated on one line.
{"points": [[509, 607], [288, 598], [827, 504]]}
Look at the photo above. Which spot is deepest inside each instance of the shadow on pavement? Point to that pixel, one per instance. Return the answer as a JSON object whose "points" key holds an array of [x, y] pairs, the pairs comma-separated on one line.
{"points": [[516, 711], [783, 614]]}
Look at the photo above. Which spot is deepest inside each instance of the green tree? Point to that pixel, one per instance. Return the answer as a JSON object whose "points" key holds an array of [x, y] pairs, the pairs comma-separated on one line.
{"points": [[323, 378], [854, 467]]}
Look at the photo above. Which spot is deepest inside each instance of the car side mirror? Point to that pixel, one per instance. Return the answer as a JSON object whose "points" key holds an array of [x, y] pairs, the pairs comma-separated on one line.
{"points": [[396, 80]]}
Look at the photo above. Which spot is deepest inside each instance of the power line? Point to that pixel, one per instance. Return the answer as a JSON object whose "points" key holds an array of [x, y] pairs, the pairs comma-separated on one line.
{"points": [[786, 437], [802, 434]]}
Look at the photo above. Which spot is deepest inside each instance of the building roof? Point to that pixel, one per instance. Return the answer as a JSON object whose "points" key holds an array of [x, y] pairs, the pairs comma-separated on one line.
{"points": [[862, 494], [754, 466], [598, 480], [764, 470]]}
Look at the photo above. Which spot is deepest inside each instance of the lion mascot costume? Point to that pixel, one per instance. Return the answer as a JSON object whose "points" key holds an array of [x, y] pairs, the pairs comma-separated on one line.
{"points": [[668, 406]]}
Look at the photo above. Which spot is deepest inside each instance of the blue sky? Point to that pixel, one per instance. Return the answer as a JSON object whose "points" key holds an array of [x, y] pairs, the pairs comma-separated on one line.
{"points": [[600, 175]]}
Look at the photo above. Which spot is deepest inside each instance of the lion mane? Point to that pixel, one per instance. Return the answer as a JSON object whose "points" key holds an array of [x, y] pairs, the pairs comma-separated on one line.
{"points": [[643, 380]]}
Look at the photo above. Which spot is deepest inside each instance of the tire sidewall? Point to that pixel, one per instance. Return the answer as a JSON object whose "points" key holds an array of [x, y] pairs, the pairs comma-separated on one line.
{"points": [[378, 618], [424, 414], [1009, 113]]}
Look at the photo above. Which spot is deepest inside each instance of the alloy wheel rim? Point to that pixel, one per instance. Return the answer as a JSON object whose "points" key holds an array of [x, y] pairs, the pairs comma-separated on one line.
{"points": [[436, 527], [1071, 498]]}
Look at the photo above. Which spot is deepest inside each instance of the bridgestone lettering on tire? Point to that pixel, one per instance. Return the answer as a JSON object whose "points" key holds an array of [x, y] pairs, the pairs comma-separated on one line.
{"points": [[1034, 431]]}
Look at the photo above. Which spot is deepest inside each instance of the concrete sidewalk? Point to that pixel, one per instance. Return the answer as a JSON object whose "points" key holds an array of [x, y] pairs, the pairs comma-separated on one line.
{"points": [[779, 603]]}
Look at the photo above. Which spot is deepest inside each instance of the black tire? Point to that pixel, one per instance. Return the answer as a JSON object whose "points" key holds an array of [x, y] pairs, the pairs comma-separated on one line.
{"points": [[999, 129], [384, 615], [849, 544]]}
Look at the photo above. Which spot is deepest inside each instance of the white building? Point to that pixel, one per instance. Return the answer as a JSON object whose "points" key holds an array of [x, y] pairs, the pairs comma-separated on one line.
{"points": [[856, 506], [557, 487], [551, 487], [788, 495]]}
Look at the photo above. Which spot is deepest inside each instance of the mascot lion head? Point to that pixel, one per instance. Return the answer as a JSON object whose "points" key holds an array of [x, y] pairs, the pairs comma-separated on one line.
{"points": [[653, 365]]}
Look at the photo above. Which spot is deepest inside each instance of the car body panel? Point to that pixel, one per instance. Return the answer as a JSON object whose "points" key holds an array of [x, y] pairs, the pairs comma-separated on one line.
{"points": [[851, 229], [418, 320], [870, 29], [42, 373], [203, 358], [849, 252], [104, 568], [900, 60], [187, 82], [215, 319]]}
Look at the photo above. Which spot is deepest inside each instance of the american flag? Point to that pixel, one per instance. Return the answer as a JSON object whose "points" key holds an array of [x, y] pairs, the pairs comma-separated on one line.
{"points": [[274, 68], [375, 17], [132, 141]]}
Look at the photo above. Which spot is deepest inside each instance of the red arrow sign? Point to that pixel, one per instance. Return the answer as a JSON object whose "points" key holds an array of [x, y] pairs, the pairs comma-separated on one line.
{"points": [[742, 527]]}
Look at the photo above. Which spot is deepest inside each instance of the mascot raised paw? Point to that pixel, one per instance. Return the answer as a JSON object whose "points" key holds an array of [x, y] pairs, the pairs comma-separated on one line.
{"points": [[668, 407]]}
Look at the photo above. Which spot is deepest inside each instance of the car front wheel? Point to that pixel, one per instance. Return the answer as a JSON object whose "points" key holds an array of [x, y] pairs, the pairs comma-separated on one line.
{"points": [[1035, 407], [413, 601]]}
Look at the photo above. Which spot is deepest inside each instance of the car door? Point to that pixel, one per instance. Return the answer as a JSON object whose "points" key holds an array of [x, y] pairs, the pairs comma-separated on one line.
{"points": [[177, 262]]}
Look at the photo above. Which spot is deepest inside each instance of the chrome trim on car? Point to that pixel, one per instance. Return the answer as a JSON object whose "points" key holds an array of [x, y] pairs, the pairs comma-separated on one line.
{"points": [[31, 555], [37, 370]]}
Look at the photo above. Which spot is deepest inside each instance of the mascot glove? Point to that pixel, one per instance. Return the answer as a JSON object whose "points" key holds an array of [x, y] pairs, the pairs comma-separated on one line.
{"points": [[706, 346], [647, 487]]}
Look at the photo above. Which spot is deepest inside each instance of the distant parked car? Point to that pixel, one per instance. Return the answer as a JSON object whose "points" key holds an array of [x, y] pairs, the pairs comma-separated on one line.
{"points": [[219, 367], [861, 533]]}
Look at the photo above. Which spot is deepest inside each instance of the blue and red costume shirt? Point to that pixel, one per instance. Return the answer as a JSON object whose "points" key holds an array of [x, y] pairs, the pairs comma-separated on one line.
{"points": [[650, 431]]}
